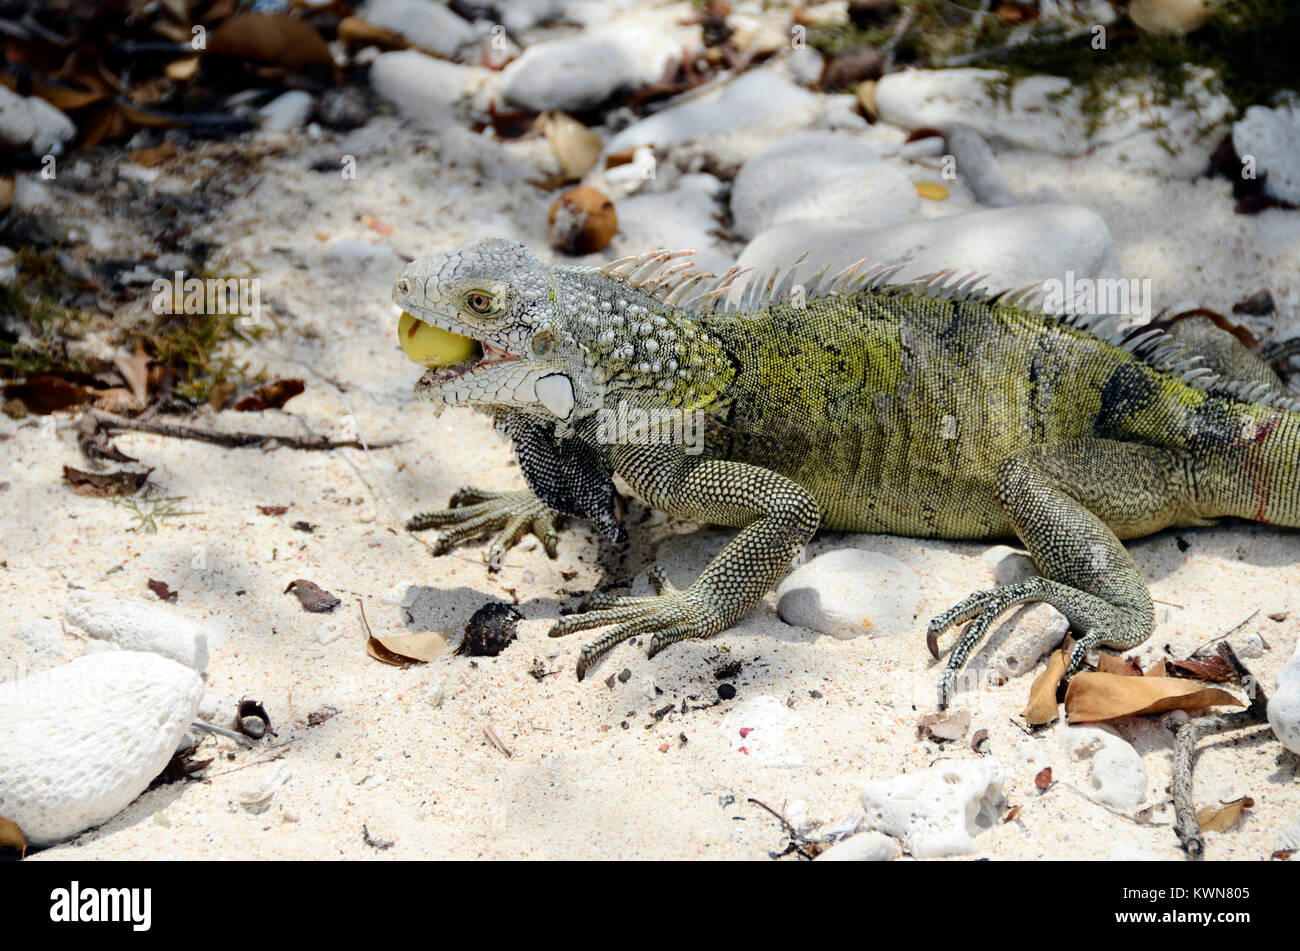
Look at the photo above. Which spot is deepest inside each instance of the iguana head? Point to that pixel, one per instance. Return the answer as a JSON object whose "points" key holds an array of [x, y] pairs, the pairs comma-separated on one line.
{"points": [[495, 298], [553, 341]]}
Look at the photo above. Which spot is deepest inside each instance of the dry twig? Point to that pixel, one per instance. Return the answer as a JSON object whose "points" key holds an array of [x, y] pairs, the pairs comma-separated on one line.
{"points": [[1186, 826]]}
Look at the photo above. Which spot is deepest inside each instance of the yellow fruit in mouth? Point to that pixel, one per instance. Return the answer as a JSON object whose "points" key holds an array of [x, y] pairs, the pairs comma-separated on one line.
{"points": [[433, 346]]}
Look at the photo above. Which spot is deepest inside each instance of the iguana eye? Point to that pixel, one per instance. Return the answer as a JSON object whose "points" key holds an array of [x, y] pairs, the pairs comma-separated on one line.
{"points": [[479, 302], [542, 344], [403, 287]]}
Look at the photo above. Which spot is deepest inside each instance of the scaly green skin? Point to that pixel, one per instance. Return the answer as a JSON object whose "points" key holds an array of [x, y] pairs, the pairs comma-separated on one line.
{"points": [[869, 409]]}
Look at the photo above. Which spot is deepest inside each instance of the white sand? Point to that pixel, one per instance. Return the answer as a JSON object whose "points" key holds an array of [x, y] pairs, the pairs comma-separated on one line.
{"points": [[407, 755]]}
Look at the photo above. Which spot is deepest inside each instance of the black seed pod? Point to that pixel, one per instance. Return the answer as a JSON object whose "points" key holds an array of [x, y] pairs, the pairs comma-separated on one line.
{"points": [[490, 630]]}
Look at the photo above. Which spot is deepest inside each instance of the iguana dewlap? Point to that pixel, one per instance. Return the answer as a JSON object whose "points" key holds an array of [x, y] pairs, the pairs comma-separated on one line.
{"points": [[928, 409]]}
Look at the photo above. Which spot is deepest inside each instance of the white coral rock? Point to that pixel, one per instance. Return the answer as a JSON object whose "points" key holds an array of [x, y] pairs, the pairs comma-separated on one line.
{"points": [[78, 743], [1284, 703], [1117, 777], [937, 812], [850, 592], [137, 626], [863, 847]]}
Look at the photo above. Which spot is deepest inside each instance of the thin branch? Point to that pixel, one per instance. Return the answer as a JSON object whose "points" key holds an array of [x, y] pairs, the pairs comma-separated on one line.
{"points": [[1186, 825], [235, 440], [1232, 630], [905, 23]]}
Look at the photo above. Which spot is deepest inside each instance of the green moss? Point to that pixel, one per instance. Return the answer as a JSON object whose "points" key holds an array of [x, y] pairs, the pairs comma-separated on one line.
{"points": [[47, 327], [201, 349], [1248, 46]]}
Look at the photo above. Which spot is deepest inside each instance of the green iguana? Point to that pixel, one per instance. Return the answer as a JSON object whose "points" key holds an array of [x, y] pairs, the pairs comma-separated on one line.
{"points": [[929, 409]]}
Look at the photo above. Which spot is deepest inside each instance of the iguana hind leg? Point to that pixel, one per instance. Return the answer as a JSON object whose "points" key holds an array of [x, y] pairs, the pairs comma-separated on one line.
{"points": [[777, 517], [1067, 501], [1226, 355], [473, 512]]}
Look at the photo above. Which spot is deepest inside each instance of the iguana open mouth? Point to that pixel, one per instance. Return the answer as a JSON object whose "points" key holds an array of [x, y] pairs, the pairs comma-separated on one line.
{"points": [[446, 354]]}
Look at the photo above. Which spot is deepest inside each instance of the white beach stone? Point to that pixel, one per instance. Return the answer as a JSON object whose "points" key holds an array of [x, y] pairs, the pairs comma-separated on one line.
{"points": [[850, 592], [1014, 247], [137, 626], [1289, 841], [29, 122], [751, 98], [81, 741], [580, 72], [218, 710], [1117, 777], [977, 167], [681, 217], [423, 89], [402, 594], [822, 175], [1045, 112], [1020, 640], [1009, 565], [287, 111], [937, 812], [427, 25], [1272, 138], [867, 846], [1248, 646], [1284, 703], [43, 636]]}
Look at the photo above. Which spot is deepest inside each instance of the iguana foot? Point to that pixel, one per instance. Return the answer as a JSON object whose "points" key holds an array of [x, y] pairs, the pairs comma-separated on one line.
{"points": [[472, 513], [1112, 626], [671, 613]]}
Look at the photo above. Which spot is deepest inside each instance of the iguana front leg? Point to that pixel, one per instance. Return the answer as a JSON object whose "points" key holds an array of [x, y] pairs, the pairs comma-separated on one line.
{"points": [[1066, 501], [777, 517], [475, 512]]}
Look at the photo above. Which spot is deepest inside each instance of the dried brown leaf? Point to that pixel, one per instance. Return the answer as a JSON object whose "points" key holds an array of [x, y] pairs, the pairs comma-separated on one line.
{"points": [[135, 371], [312, 596], [1011, 814], [421, 647], [273, 509], [183, 70], [1095, 696], [102, 485], [45, 393], [155, 154], [1215, 669], [278, 392], [161, 589], [277, 39], [981, 736], [362, 33], [1042, 706], [1224, 817], [381, 653], [1122, 666]]}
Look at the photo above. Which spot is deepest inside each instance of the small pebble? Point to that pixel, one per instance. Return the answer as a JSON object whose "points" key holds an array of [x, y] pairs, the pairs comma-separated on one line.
{"points": [[624, 675], [726, 691]]}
